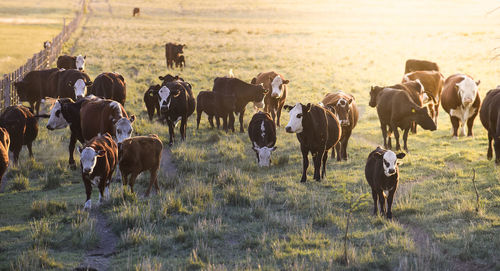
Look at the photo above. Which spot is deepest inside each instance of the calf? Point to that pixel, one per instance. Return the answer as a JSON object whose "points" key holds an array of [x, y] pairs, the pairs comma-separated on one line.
{"points": [[489, 115], [177, 103], [206, 101], [180, 62], [318, 130], [110, 85], [262, 133], [382, 174], [138, 154], [151, 99], [420, 65], [276, 87], [136, 11], [4, 152], [344, 107], [71, 62], [242, 92], [98, 159], [396, 109], [460, 99], [432, 82], [22, 127], [173, 53], [35, 86]]}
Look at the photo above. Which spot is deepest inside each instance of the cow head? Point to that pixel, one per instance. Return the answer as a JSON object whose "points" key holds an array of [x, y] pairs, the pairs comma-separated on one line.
{"points": [[180, 48], [165, 95], [389, 160], [56, 119], [296, 116], [467, 90], [80, 87], [261, 92], [22, 90], [373, 95], [88, 159], [123, 128], [421, 116], [277, 86], [80, 62], [263, 154], [342, 109], [47, 44]]}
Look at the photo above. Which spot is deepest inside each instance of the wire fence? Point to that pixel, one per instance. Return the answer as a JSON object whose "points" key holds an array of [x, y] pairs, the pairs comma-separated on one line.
{"points": [[40, 60]]}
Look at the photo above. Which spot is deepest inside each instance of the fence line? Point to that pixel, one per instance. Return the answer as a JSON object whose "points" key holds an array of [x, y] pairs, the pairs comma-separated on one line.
{"points": [[40, 60]]}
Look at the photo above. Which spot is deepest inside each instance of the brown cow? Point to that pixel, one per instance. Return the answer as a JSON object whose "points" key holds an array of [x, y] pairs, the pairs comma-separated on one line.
{"points": [[432, 82], [173, 53], [71, 62], [344, 107], [420, 65], [110, 85], [98, 159], [490, 118], [136, 11], [22, 126], [460, 99], [138, 154], [276, 87], [4, 149]]}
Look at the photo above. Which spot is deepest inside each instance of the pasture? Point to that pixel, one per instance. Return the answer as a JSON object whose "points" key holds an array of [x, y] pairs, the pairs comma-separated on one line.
{"points": [[219, 210]]}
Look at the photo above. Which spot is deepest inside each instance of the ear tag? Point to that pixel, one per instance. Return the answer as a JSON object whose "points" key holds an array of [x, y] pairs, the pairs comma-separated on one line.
{"points": [[413, 110]]}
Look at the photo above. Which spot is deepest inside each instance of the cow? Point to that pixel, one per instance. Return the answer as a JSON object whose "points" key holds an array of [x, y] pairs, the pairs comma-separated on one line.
{"points": [[67, 112], [138, 154], [489, 116], [432, 82], [47, 45], [276, 86], [318, 130], [35, 86], [136, 11], [460, 99], [243, 94], [4, 152], [98, 160], [262, 133], [396, 109], [207, 101], [172, 53], [382, 174], [344, 107], [71, 62], [151, 99], [69, 84], [109, 85], [420, 65], [177, 103], [180, 62], [22, 126]]}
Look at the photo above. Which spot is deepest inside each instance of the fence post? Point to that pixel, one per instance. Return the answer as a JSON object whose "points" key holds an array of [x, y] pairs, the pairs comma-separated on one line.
{"points": [[64, 27], [6, 91]]}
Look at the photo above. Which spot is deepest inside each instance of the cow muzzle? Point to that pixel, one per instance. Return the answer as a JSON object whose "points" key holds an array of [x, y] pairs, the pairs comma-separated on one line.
{"points": [[275, 95], [344, 123], [288, 129], [467, 102], [86, 171], [50, 128], [80, 69]]}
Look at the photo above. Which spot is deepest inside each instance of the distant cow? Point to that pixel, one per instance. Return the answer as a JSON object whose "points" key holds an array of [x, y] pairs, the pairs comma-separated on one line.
{"points": [[180, 62], [460, 99], [109, 85], [276, 86], [67, 112], [71, 62], [432, 81], [318, 130], [151, 99], [344, 107], [47, 45], [489, 115], [262, 133], [69, 84], [382, 174], [98, 159], [177, 103], [138, 154], [396, 109], [35, 86], [208, 102], [4, 152], [243, 94], [22, 127], [136, 11], [172, 53], [420, 65]]}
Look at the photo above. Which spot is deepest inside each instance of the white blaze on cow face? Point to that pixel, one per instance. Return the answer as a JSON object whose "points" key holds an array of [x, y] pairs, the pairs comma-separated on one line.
{"points": [[467, 90], [88, 159], [263, 155], [123, 128], [80, 62], [276, 86], [295, 123], [56, 120], [164, 94], [80, 88], [389, 162]]}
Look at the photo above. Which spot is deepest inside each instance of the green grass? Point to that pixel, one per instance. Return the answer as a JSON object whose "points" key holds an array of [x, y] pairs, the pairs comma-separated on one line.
{"points": [[221, 211]]}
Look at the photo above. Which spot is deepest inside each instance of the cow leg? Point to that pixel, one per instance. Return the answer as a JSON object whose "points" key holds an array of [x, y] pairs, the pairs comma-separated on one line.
{"points": [[211, 121], [389, 203], [375, 201], [413, 127], [278, 115], [383, 127], [344, 141], [497, 150], [198, 118], [88, 192], [71, 148], [338, 149], [405, 139], [153, 180], [436, 113], [241, 121], [231, 121], [470, 123], [455, 123], [325, 157], [389, 134], [381, 201], [217, 121], [490, 150], [317, 157], [131, 181], [396, 136], [305, 164], [29, 146], [171, 132], [183, 128], [273, 114], [16, 152]]}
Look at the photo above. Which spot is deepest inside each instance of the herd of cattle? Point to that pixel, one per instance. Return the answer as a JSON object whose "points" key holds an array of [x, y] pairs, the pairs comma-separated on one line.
{"points": [[95, 113]]}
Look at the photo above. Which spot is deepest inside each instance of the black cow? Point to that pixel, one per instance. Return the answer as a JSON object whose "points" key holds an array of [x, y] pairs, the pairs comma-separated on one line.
{"points": [[151, 99], [35, 86], [318, 130], [180, 62], [109, 85], [489, 115], [382, 173], [243, 94], [22, 126], [262, 133]]}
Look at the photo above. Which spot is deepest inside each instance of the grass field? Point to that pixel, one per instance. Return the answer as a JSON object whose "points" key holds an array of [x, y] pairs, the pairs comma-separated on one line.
{"points": [[220, 211]]}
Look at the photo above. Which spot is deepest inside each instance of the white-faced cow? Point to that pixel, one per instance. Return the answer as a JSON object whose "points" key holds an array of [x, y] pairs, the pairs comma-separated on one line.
{"points": [[276, 86], [490, 118], [71, 62], [262, 133], [318, 130], [98, 159], [460, 99], [382, 174], [69, 84]]}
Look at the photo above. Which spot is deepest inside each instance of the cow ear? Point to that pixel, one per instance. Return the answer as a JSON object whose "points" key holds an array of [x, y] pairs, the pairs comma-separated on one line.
{"points": [[254, 81], [287, 107], [478, 82], [307, 108], [184, 45], [176, 77], [274, 148], [161, 77], [85, 57], [286, 82], [101, 153], [400, 155], [89, 83], [379, 151], [132, 118]]}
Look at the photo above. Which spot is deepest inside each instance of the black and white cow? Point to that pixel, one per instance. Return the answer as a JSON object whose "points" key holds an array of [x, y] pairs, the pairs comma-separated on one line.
{"points": [[262, 133]]}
